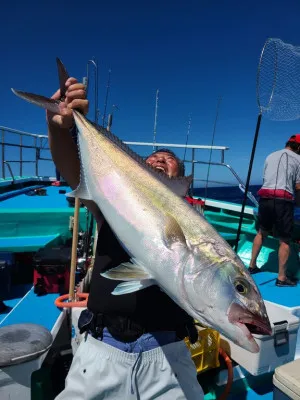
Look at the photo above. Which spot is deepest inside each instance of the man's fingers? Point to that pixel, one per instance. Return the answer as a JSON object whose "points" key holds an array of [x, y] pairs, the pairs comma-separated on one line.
{"points": [[71, 84], [71, 81], [76, 86], [75, 94], [79, 104]]}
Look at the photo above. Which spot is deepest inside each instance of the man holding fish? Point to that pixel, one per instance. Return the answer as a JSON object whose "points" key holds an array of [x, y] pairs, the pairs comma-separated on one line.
{"points": [[167, 370], [159, 265]]}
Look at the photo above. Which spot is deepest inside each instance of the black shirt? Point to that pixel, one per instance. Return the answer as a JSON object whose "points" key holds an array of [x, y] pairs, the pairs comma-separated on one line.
{"points": [[151, 308]]}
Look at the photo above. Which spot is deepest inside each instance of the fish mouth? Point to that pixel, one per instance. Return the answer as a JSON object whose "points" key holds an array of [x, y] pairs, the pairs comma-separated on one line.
{"points": [[249, 322]]}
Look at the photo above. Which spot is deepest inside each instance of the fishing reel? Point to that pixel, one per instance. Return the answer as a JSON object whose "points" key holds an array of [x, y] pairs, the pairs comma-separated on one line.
{"points": [[85, 245]]}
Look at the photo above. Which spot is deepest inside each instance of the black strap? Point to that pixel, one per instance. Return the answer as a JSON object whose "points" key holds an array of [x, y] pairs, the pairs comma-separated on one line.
{"points": [[126, 330]]}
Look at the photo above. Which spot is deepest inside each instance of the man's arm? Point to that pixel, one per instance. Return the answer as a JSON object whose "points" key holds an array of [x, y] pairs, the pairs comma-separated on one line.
{"points": [[62, 146]]}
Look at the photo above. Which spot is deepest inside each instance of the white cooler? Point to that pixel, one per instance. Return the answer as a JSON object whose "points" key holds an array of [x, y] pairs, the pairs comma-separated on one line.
{"points": [[286, 381], [275, 350]]}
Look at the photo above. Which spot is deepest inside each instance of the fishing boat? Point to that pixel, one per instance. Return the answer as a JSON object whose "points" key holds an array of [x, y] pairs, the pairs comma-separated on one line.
{"points": [[37, 219]]}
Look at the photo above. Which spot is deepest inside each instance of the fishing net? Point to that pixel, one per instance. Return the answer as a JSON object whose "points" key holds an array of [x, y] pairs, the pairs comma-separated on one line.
{"points": [[278, 81]]}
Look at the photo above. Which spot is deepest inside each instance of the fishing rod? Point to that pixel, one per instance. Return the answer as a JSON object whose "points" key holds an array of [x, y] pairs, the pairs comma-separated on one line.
{"points": [[155, 119], [187, 136], [248, 181], [94, 63], [89, 230], [212, 143], [106, 97]]}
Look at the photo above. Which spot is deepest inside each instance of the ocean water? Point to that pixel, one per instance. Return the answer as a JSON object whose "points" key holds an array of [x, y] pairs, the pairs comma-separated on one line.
{"points": [[227, 193], [233, 194]]}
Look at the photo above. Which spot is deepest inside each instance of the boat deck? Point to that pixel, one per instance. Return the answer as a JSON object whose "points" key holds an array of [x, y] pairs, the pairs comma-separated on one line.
{"points": [[29, 222], [32, 308]]}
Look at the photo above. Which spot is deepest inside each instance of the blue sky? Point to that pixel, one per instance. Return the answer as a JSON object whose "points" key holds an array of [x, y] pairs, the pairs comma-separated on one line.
{"points": [[192, 51]]}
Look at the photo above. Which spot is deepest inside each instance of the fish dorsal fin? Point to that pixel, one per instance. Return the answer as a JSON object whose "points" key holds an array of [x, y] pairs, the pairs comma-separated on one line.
{"points": [[178, 185], [173, 232], [82, 191]]}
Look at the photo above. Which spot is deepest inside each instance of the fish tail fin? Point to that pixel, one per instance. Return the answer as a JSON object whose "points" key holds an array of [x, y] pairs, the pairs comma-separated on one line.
{"points": [[45, 102], [41, 101], [63, 76]]}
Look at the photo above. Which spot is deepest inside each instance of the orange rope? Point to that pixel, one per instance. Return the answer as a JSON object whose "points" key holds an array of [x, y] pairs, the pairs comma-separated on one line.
{"points": [[230, 375]]}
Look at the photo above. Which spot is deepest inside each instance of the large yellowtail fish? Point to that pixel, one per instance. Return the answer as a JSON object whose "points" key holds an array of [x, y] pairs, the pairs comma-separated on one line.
{"points": [[170, 244]]}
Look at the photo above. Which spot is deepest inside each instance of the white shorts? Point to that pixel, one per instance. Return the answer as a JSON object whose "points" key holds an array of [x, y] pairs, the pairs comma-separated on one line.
{"points": [[100, 371]]}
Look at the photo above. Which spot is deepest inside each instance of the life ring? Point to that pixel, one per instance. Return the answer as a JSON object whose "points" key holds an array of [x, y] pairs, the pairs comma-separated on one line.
{"points": [[62, 303]]}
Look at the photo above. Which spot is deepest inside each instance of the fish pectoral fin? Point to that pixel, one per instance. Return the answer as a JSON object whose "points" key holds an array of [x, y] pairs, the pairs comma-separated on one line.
{"points": [[133, 286], [173, 232], [127, 272]]}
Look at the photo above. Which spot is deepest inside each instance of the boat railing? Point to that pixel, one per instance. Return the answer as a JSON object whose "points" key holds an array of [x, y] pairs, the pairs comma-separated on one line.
{"points": [[13, 138], [10, 171], [40, 143], [194, 161]]}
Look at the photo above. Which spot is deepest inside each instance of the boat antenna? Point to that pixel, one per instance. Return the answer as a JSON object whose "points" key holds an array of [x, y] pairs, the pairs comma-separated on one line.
{"points": [[106, 97], [155, 119], [86, 80], [187, 136], [212, 143]]}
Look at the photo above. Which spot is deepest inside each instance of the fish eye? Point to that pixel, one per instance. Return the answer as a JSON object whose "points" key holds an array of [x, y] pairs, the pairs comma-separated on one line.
{"points": [[240, 287]]}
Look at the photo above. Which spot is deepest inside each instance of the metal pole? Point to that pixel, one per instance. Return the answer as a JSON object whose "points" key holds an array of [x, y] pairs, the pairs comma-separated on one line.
{"points": [[21, 156], [106, 98], [193, 172], [3, 154], [212, 143], [110, 117], [155, 119], [222, 156], [247, 182], [36, 157], [187, 135], [95, 65]]}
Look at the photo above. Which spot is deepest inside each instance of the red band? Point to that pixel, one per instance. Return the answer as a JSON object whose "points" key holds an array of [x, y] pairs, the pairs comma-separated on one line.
{"points": [[275, 194]]}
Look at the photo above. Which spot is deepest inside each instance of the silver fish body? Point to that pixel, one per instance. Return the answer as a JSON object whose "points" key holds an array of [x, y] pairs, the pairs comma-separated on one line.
{"points": [[170, 244]]}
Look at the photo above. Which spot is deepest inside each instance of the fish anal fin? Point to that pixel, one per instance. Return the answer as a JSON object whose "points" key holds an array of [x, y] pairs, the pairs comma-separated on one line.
{"points": [[132, 286], [82, 191]]}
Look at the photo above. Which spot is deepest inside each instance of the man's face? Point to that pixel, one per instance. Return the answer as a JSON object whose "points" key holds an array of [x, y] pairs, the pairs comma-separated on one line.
{"points": [[165, 162]]}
